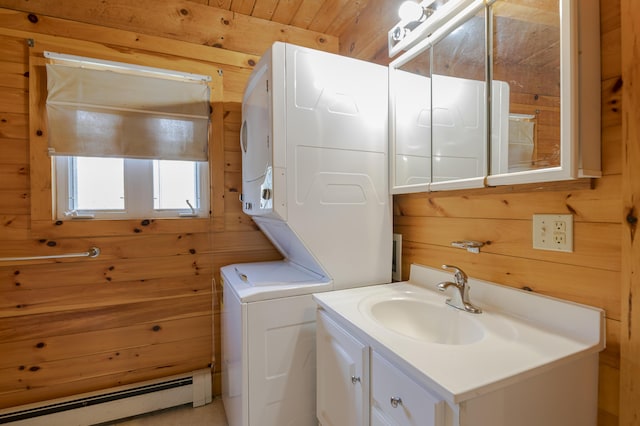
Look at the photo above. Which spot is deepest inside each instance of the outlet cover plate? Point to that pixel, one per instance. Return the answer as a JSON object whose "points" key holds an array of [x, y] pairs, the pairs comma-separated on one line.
{"points": [[553, 232]]}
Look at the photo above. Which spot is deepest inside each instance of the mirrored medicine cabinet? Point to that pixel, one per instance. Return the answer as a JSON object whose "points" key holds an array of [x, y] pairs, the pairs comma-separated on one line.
{"points": [[500, 92]]}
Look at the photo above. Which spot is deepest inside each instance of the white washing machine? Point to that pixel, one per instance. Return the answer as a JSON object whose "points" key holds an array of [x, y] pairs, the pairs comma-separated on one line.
{"points": [[269, 345]]}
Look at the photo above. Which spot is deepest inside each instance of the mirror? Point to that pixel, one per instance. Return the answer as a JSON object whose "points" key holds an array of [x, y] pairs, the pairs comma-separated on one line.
{"points": [[526, 64], [459, 101], [410, 122], [438, 109], [446, 133]]}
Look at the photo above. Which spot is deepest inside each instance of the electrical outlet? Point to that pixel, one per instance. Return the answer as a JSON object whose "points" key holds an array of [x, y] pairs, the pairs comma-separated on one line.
{"points": [[553, 232], [559, 238]]}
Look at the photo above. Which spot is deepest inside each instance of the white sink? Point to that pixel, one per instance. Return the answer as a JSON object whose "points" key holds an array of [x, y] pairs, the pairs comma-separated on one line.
{"points": [[425, 321], [458, 353]]}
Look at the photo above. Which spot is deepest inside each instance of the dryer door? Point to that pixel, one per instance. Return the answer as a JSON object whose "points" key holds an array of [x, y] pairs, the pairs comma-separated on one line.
{"points": [[256, 143]]}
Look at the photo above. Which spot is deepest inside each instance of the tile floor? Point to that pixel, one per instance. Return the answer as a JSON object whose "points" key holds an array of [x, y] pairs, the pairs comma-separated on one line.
{"points": [[184, 415]]}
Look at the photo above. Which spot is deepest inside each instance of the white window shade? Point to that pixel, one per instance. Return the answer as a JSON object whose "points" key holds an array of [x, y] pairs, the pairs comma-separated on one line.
{"points": [[106, 109]]}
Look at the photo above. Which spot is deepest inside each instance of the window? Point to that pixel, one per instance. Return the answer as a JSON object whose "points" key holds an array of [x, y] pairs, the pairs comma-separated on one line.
{"points": [[119, 188], [128, 141]]}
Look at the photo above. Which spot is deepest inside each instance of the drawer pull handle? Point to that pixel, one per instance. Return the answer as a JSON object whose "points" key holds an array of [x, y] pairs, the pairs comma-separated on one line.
{"points": [[395, 401], [355, 379]]}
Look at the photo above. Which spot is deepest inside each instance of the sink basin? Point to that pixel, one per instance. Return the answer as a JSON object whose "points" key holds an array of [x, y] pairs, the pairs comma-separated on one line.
{"points": [[425, 321]]}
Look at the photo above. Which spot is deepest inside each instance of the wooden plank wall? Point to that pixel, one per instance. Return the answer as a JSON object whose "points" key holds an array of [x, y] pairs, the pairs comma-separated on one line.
{"points": [[502, 217], [630, 343], [143, 309]]}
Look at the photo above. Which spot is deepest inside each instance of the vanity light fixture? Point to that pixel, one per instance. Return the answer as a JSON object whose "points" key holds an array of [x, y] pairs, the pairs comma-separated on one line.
{"points": [[411, 11], [421, 19], [411, 15]]}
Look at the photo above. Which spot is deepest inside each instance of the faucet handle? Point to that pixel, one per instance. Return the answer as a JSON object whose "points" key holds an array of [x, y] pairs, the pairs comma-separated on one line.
{"points": [[460, 276]]}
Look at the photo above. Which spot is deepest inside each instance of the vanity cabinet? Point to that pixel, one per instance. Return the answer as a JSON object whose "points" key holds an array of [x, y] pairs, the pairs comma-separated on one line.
{"points": [[534, 361], [356, 384], [365, 378], [343, 375]]}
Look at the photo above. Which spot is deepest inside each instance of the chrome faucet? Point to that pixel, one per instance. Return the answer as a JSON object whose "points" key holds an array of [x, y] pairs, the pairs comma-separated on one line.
{"points": [[460, 299]]}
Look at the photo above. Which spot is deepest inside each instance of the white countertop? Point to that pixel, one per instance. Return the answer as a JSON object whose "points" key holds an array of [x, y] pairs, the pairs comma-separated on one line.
{"points": [[525, 333]]}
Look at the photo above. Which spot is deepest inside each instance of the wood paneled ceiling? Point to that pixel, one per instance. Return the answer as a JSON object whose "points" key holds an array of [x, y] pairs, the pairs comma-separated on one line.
{"points": [[331, 17], [361, 26]]}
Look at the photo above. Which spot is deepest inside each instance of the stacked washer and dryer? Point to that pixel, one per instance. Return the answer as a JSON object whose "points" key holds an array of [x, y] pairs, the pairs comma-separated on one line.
{"points": [[314, 175]]}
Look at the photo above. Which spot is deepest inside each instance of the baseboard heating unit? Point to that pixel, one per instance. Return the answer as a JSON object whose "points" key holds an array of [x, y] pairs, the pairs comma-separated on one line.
{"points": [[115, 403]]}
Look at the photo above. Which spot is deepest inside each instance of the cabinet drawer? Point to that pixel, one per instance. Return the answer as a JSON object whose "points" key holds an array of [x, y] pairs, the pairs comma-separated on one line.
{"points": [[397, 400]]}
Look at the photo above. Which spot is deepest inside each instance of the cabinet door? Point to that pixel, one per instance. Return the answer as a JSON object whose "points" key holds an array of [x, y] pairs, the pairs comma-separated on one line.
{"points": [[399, 401], [342, 384], [548, 127]]}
